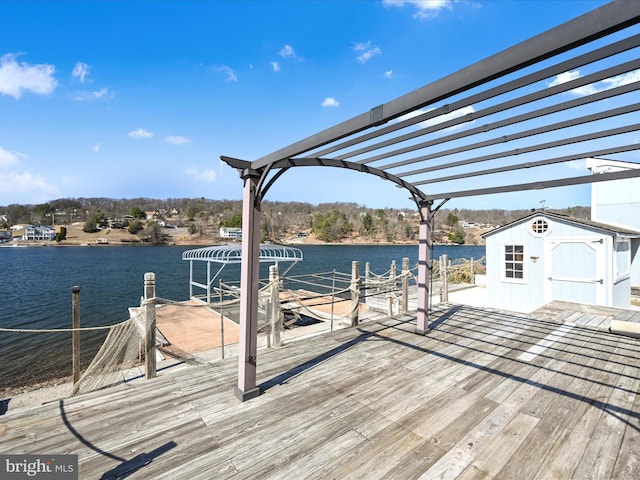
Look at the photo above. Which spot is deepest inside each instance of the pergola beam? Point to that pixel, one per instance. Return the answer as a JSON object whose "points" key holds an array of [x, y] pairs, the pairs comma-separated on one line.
{"points": [[529, 79], [596, 24], [562, 182]]}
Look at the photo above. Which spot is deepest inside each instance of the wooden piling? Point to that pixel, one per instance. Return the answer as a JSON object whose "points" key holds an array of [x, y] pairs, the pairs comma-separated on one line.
{"points": [[333, 296], [221, 320], [276, 324], [75, 302], [405, 285], [444, 278], [150, 322], [355, 292]]}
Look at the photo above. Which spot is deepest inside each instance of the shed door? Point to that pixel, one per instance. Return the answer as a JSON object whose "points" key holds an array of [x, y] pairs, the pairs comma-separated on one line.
{"points": [[574, 270]]}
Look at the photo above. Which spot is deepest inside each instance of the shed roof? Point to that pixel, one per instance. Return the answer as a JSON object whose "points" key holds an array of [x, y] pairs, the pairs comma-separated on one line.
{"points": [[603, 227]]}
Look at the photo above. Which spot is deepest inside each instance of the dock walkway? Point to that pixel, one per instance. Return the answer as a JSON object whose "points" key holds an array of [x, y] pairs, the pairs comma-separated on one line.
{"points": [[485, 394]]}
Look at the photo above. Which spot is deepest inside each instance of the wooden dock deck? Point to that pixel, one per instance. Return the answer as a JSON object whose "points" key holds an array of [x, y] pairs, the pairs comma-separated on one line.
{"points": [[486, 394]]}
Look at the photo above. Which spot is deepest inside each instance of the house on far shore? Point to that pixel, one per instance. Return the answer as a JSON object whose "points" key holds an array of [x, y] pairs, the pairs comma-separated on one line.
{"points": [[230, 232], [39, 232], [546, 256]]}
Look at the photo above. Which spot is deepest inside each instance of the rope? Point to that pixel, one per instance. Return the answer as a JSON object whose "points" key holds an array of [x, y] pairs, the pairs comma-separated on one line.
{"points": [[61, 330]]}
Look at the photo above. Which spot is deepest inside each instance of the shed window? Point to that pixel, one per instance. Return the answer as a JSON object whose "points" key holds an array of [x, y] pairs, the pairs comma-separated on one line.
{"points": [[539, 227], [514, 262]]}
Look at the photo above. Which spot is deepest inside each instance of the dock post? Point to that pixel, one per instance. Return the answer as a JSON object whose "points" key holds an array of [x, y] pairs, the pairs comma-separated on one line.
{"points": [[405, 285], [276, 324], [150, 322], [393, 281], [367, 274], [355, 291], [75, 301], [392, 272], [333, 295], [444, 278], [472, 272], [221, 320]]}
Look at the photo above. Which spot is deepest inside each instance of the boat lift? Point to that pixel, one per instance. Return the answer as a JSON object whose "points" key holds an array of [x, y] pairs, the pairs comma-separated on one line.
{"points": [[232, 254]]}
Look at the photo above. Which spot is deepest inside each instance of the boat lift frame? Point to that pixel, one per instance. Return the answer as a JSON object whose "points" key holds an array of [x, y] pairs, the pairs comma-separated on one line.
{"points": [[232, 254]]}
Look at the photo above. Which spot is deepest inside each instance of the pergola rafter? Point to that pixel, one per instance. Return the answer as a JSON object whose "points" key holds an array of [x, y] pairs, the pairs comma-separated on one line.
{"points": [[541, 112]]}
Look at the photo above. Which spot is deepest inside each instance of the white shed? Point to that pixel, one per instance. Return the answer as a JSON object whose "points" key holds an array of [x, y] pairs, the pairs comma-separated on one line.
{"points": [[546, 256]]}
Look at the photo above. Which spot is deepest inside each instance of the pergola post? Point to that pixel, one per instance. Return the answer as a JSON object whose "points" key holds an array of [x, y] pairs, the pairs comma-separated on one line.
{"points": [[424, 267], [249, 279]]}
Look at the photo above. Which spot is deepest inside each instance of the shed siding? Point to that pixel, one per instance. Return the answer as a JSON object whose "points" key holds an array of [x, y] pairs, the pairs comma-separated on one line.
{"points": [[621, 294], [635, 262], [576, 258], [509, 295]]}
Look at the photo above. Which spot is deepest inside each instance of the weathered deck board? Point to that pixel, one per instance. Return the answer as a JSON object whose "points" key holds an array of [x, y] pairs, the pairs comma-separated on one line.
{"points": [[564, 456], [485, 394]]}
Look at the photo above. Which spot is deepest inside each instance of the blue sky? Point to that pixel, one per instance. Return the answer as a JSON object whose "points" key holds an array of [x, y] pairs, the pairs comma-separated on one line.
{"points": [[139, 99]]}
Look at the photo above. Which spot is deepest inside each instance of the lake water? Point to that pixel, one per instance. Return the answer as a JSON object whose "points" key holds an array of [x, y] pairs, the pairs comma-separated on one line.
{"points": [[36, 292]]}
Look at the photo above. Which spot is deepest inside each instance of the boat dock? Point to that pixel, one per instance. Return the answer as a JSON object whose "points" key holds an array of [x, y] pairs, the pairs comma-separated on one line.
{"points": [[485, 394]]}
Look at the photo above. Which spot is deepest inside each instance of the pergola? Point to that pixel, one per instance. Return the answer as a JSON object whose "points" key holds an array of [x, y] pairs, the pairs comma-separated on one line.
{"points": [[567, 94]]}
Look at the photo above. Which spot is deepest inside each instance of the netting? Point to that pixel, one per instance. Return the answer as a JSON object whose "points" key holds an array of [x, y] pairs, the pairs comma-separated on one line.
{"points": [[124, 346], [122, 349], [322, 307]]}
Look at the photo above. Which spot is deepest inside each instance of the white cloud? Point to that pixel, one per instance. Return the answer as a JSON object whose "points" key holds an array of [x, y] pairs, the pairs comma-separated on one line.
{"points": [[207, 175], [568, 77], [80, 70], [16, 78], [461, 112], [623, 79], [275, 66], [16, 183], [580, 165], [26, 184], [596, 87], [8, 158], [140, 133], [368, 52], [231, 75], [425, 8], [388, 74], [96, 148], [288, 52], [564, 78], [330, 102], [102, 94], [177, 140], [23, 184]]}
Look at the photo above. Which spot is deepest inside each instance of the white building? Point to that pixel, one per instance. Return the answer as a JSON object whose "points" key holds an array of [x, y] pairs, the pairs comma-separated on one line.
{"points": [[39, 232], [546, 256], [230, 232]]}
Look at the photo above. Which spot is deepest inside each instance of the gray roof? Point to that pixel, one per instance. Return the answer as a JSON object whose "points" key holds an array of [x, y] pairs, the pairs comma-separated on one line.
{"points": [[611, 229]]}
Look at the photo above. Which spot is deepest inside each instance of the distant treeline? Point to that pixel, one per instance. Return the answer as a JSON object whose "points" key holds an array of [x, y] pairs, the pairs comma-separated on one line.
{"points": [[327, 221]]}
